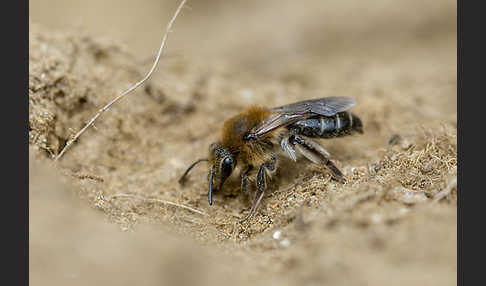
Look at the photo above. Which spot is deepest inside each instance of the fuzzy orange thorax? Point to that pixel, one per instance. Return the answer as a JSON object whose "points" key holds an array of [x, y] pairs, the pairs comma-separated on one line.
{"points": [[236, 127]]}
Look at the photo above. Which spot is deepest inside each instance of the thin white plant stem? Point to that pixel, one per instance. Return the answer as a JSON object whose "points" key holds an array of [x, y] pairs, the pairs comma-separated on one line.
{"points": [[116, 99]]}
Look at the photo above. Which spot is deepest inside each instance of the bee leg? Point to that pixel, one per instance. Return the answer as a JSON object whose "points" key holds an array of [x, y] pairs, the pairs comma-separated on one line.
{"points": [[244, 180], [261, 185], [337, 174], [288, 148], [317, 154]]}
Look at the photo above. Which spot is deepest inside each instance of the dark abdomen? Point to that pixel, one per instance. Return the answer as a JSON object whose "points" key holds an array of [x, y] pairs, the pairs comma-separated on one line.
{"points": [[341, 124]]}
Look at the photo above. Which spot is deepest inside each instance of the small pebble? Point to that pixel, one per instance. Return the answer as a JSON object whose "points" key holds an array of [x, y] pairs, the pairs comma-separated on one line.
{"points": [[285, 243], [277, 234]]}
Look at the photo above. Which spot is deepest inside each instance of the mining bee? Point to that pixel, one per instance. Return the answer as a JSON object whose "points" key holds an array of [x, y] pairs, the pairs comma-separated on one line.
{"points": [[252, 137]]}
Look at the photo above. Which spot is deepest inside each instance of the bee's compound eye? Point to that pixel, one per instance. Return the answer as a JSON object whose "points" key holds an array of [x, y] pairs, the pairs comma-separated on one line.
{"points": [[227, 161], [227, 166]]}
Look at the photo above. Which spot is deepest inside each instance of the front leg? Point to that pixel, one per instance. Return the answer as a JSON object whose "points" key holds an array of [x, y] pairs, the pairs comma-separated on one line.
{"points": [[269, 166], [244, 180]]}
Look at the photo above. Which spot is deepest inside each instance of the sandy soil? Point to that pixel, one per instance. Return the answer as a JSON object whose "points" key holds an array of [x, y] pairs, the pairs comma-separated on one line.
{"points": [[100, 215]]}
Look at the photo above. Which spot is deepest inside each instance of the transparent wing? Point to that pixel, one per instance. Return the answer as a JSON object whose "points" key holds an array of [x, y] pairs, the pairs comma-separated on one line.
{"points": [[273, 121], [327, 106], [288, 114]]}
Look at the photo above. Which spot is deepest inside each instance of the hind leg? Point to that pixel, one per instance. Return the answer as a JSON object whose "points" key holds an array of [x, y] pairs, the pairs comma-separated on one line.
{"points": [[316, 153]]}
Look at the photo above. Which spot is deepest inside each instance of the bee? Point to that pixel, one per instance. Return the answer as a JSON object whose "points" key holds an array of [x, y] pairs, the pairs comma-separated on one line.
{"points": [[253, 138]]}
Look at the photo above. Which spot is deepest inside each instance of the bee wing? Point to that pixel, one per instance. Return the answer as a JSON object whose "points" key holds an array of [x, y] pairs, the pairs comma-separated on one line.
{"points": [[273, 121], [327, 106], [291, 113]]}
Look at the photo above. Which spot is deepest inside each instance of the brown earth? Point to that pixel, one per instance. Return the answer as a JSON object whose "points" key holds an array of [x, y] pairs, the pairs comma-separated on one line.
{"points": [[101, 214]]}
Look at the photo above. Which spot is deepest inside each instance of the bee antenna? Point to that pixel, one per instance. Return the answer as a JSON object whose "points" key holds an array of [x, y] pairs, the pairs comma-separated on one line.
{"points": [[210, 194], [183, 178]]}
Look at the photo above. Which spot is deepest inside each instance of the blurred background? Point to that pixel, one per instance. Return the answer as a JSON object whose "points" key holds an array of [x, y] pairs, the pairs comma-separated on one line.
{"points": [[258, 32]]}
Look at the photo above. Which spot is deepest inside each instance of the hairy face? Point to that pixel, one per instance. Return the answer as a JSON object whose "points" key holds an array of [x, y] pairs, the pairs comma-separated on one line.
{"points": [[222, 163]]}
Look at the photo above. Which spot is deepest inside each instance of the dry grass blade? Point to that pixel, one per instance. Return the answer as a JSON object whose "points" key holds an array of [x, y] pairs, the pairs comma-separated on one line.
{"points": [[133, 87], [159, 201]]}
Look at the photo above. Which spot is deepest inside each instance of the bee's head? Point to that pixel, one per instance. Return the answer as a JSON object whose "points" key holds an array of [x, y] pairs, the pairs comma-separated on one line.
{"points": [[222, 163]]}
